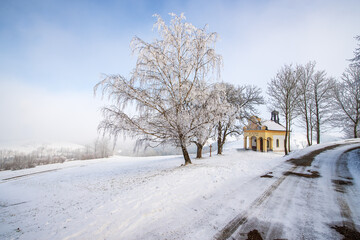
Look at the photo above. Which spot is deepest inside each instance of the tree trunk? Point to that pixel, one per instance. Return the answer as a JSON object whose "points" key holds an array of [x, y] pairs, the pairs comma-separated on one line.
{"points": [[219, 140], [311, 129], [308, 133], [317, 122], [286, 133], [184, 150], [199, 150], [318, 134], [186, 155], [355, 131], [289, 150], [220, 146], [289, 133], [307, 123]]}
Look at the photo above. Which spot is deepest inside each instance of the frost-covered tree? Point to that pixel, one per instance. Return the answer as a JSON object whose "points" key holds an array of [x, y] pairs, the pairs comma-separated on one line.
{"points": [[346, 93], [201, 137], [237, 104], [284, 95], [168, 80], [208, 111]]}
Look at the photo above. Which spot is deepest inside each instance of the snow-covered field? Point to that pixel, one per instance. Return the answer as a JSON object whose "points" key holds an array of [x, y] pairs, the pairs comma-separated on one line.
{"points": [[124, 198], [135, 198]]}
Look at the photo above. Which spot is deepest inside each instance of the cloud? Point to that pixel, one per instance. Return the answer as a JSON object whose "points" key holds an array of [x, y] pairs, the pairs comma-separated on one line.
{"points": [[35, 114], [56, 51]]}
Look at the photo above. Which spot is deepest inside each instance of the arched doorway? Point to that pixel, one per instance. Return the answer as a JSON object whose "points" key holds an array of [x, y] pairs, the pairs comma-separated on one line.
{"points": [[253, 143], [261, 144]]}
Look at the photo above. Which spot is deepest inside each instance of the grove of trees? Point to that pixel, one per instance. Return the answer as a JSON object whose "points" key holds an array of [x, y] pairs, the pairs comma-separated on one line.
{"points": [[178, 101], [316, 100], [347, 97], [284, 95], [173, 89], [346, 94]]}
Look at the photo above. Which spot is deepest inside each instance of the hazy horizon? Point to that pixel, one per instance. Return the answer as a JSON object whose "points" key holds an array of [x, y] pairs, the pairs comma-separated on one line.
{"points": [[54, 52]]}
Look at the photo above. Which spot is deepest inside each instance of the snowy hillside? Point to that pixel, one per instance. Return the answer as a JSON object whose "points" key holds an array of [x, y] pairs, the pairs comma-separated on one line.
{"points": [[140, 198], [122, 197]]}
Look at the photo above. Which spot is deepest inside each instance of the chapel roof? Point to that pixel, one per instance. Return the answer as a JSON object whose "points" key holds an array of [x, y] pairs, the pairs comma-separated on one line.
{"points": [[255, 123], [272, 126]]}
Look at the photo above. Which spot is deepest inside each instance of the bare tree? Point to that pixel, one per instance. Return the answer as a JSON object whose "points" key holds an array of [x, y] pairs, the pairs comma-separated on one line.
{"points": [[321, 88], [356, 59], [168, 78], [284, 94], [346, 111], [238, 104], [313, 105], [101, 148], [305, 103]]}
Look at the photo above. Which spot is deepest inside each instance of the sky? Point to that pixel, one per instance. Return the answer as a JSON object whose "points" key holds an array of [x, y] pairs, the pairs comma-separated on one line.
{"points": [[52, 53]]}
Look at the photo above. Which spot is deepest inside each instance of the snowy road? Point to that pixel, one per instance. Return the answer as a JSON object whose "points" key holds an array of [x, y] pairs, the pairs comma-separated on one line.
{"points": [[316, 197]]}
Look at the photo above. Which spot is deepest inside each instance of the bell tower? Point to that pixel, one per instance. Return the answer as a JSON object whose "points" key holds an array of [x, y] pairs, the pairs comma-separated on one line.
{"points": [[275, 116]]}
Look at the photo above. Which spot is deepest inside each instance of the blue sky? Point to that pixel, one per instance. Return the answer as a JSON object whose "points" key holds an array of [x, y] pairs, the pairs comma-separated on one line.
{"points": [[53, 52]]}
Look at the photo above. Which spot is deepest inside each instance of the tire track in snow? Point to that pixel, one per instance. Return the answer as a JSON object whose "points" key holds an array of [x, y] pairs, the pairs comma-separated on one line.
{"points": [[26, 175], [341, 186], [8, 179], [242, 218], [275, 230], [261, 217]]}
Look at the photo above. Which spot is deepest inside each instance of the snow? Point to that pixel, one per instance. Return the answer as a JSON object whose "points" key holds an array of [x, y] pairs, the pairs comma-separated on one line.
{"points": [[153, 197], [354, 164], [122, 197], [273, 126], [321, 208], [297, 153]]}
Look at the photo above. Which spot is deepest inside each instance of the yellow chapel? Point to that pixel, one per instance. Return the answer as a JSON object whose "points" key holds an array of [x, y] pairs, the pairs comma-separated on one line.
{"points": [[264, 136]]}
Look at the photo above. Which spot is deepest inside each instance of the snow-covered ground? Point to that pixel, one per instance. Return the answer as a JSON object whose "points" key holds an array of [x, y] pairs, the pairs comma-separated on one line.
{"points": [[140, 198], [122, 197], [307, 199]]}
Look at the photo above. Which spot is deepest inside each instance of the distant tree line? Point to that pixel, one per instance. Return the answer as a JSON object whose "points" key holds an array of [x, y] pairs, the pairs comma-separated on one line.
{"points": [[317, 101], [15, 160]]}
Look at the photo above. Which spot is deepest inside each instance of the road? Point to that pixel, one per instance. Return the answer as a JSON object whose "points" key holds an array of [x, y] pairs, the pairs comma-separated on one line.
{"points": [[315, 196]]}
